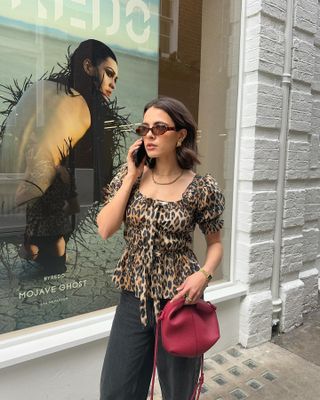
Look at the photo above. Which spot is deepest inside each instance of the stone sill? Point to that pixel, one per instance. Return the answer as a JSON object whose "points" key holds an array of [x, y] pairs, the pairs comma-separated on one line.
{"points": [[224, 292], [32, 343]]}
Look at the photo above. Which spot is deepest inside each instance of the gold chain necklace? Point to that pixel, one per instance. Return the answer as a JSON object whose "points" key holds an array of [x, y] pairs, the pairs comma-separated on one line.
{"points": [[166, 183]]}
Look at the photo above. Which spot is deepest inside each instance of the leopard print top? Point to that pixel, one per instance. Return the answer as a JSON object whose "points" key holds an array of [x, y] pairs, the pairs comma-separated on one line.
{"points": [[158, 234]]}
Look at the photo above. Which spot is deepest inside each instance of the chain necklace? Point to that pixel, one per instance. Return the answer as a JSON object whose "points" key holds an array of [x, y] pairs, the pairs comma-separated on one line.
{"points": [[166, 183]]}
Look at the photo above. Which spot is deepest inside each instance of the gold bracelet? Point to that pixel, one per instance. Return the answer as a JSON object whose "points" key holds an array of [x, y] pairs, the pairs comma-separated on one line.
{"points": [[206, 274]]}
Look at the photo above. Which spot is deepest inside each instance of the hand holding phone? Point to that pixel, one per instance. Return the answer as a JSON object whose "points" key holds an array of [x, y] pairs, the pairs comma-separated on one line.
{"points": [[139, 155]]}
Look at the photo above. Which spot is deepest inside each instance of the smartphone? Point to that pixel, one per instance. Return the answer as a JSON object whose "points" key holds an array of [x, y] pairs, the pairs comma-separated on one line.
{"points": [[139, 155]]}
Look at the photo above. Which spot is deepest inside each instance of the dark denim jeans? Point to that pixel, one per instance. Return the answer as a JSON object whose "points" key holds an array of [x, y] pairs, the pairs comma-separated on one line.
{"points": [[128, 363]]}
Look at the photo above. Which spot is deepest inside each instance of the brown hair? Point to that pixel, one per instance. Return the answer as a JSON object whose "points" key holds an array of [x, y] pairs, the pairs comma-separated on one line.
{"points": [[187, 153]]}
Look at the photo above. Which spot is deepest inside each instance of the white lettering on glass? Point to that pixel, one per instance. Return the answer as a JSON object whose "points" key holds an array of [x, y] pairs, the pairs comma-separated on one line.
{"points": [[113, 29], [42, 11], [15, 3], [58, 9], [95, 14], [132, 4], [77, 22]]}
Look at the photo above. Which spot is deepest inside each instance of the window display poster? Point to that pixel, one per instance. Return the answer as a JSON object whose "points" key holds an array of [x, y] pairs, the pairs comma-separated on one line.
{"points": [[74, 78]]}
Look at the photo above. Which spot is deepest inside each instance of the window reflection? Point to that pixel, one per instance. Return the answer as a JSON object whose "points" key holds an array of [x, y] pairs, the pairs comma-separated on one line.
{"points": [[199, 49]]}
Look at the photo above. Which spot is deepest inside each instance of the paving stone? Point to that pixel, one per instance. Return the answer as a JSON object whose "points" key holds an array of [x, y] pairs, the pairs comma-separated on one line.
{"points": [[250, 364], [235, 371], [204, 389], [234, 352], [219, 379], [254, 384], [238, 394], [219, 359], [269, 376]]}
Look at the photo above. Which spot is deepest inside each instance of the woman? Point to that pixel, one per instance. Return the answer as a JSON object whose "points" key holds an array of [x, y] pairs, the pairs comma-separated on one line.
{"points": [[53, 115], [49, 120], [160, 204]]}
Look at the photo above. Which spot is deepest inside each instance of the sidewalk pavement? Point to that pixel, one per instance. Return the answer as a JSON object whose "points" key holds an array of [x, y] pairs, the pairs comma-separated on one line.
{"points": [[286, 368]]}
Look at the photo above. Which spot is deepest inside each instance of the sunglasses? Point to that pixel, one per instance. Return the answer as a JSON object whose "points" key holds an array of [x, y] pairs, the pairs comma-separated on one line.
{"points": [[157, 129]]}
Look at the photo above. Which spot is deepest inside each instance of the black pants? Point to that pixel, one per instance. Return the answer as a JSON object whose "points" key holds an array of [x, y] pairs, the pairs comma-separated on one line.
{"points": [[128, 363]]}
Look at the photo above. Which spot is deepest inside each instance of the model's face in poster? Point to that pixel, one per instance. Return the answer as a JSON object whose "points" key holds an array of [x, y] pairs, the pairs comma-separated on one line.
{"points": [[107, 72], [66, 124]]}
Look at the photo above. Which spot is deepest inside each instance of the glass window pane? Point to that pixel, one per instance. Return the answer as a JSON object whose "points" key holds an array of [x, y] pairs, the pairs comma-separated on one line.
{"points": [[166, 8], [165, 27], [66, 126], [164, 45]]}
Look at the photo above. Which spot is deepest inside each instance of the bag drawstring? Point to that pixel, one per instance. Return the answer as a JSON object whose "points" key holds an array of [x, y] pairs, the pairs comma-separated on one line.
{"points": [[197, 389]]}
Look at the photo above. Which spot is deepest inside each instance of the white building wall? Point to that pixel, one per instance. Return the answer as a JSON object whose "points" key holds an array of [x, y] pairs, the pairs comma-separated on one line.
{"points": [[262, 119]]}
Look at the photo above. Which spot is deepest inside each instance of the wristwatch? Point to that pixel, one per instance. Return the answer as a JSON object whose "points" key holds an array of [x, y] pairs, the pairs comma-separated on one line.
{"points": [[206, 274]]}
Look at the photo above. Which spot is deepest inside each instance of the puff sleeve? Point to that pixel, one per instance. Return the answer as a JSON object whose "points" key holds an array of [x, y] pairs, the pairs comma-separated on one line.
{"points": [[111, 189], [211, 203]]}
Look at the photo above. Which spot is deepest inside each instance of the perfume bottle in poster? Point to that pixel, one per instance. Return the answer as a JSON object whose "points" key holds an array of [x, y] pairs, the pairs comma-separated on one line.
{"points": [[74, 82]]}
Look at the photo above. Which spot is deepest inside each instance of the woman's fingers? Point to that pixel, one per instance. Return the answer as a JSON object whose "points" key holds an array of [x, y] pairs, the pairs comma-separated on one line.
{"points": [[134, 146], [132, 149], [186, 292], [181, 286], [132, 168], [181, 294], [191, 289]]}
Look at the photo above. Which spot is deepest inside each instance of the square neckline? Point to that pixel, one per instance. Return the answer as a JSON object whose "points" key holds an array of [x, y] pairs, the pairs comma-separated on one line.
{"points": [[167, 201]]}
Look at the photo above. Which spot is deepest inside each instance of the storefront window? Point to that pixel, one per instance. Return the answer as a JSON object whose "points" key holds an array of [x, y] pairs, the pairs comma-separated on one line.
{"points": [[58, 149]]}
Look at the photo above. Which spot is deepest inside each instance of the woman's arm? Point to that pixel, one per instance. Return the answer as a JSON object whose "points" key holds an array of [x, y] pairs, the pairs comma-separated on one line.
{"points": [[111, 216], [214, 252], [194, 285]]}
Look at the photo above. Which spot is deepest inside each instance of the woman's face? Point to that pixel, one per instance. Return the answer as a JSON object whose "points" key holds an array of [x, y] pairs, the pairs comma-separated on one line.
{"points": [[165, 144], [107, 72]]}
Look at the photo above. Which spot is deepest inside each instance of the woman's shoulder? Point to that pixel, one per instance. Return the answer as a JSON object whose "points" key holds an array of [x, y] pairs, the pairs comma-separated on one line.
{"points": [[121, 170], [58, 92], [206, 181], [206, 189], [50, 91], [72, 105], [118, 174]]}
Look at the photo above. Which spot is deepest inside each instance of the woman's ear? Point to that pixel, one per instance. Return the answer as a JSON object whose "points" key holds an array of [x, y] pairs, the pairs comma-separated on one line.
{"points": [[182, 134], [88, 67]]}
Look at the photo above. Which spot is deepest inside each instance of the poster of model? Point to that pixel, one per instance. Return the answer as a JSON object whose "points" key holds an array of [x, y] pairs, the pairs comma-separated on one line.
{"points": [[74, 77]]}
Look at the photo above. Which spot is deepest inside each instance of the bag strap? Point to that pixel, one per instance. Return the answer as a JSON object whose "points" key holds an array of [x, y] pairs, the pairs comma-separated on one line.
{"points": [[155, 356], [197, 389]]}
